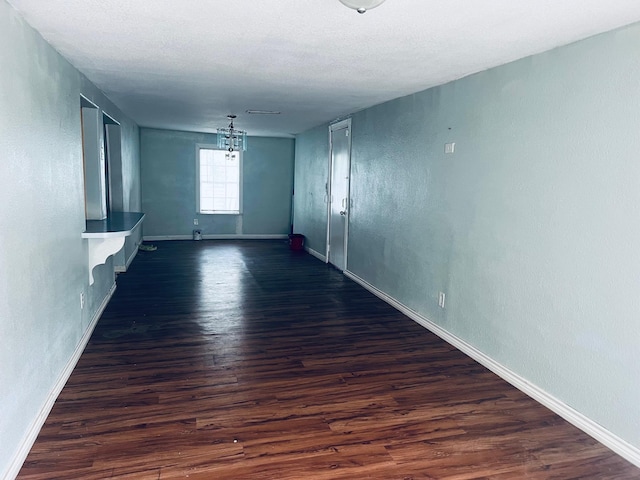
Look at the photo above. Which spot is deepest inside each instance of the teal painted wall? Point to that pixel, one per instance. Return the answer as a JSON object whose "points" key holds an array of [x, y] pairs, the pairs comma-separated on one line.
{"points": [[43, 259], [169, 183], [310, 201], [531, 228]]}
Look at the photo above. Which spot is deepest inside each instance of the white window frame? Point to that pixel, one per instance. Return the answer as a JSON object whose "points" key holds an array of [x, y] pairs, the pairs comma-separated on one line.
{"points": [[200, 147]]}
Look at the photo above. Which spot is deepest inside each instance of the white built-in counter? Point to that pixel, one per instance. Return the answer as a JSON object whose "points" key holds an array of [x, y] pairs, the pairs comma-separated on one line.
{"points": [[106, 237]]}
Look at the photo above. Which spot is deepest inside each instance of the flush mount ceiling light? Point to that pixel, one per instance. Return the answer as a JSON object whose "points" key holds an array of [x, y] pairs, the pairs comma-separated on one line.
{"points": [[361, 6], [230, 138], [263, 112]]}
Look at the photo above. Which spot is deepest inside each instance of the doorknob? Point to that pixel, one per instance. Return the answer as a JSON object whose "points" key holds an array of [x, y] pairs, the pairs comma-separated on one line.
{"points": [[343, 212]]}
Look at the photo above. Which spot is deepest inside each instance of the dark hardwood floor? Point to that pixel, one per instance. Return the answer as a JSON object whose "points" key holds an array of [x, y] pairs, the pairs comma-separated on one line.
{"points": [[244, 360]]}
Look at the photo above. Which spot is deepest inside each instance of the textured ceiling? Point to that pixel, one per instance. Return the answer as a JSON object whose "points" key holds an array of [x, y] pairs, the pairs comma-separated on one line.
{"points": [[186, 65]]}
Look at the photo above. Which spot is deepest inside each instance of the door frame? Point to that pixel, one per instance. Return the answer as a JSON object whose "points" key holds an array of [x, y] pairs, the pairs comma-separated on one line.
{"points": [[346, 123]]}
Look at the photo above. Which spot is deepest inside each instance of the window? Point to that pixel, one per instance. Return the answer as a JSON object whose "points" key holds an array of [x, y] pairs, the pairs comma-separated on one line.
{"points": [[219, 181]]}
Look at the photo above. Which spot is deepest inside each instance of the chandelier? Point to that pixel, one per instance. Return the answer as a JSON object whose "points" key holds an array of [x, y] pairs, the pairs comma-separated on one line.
{"points": [[361, 6], [230, 138]]}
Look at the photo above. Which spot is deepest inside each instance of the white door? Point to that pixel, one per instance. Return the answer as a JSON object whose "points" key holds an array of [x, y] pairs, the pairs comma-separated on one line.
{"points": [[340, 140]]}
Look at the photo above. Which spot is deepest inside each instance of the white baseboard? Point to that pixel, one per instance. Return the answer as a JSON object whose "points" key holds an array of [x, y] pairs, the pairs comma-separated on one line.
{"points": [[319, 256], [33, 431], [160, 238], [127, 263], [584, 423], [246, 236], [131, 257]]}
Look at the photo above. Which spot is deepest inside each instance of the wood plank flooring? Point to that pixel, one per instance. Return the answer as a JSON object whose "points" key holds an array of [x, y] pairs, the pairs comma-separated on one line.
{"points": [[245, 360]]}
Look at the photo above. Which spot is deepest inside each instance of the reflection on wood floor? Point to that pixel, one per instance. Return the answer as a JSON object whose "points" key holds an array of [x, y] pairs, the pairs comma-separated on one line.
{"points": [[245, 360]]}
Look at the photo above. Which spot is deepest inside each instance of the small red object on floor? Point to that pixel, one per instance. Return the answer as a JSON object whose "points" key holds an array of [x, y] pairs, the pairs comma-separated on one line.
{"points": [[296, 241]]}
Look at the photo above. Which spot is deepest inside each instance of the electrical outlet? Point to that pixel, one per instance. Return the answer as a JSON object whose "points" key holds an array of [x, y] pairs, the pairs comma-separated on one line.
{"points": [[449, 147], [441, 298], [195, 221], [81, 300]]}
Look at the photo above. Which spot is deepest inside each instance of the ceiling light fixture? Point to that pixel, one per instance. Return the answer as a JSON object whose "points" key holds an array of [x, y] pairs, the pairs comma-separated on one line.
{"points": [[361, 6], [263, 112], [230, 138]]}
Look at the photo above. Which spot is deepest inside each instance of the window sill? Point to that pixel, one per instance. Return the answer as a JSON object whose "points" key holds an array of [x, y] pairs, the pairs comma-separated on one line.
{"points": [[220, 213]]}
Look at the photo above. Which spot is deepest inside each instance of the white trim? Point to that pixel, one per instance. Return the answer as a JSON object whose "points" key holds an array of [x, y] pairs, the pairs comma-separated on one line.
{"points": [[584, 423], [232, 236], [32, 433], [319, 256], [161, 238], [209, 146], [328, 193], [334, 127], [86, 99], [110, 117], [246, 236], [127, 263]]}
